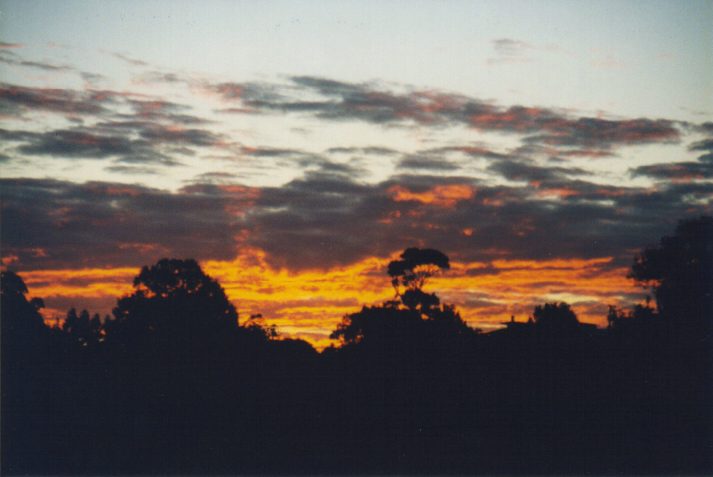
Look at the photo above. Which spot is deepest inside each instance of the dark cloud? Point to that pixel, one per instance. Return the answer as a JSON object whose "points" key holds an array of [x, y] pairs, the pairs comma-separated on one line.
{"points": [[420, 162], [54, 224], [524, 170], [307, 162], [16, 99], [163, 111], [508, 50], [272, 152], [152, 137], [128, 59], [91, 77], [251, 94], [155, 130], [317, 221], [676, 171], [603, 134], [10, 58], [327, 218], [471, 151], [216, 177], [336, 100], [77, 143], [369, 150], [85, 143], [705, 128], [131, 170], [702, 169], [706, 146], [162, 77], [189, 136]]}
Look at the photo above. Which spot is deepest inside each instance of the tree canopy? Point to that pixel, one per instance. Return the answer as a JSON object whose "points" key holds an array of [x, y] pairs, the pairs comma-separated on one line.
{"points": [[20, 316], [415, 316], [680, 272], [416, 265], [555, 316], [177, 300]]}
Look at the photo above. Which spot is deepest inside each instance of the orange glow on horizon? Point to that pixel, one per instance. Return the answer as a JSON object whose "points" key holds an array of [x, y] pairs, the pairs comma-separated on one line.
{"points": [[309, 304]]}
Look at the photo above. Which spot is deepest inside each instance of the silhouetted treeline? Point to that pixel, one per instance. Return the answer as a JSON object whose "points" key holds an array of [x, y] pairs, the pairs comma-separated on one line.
{"points": [[173, 383]]}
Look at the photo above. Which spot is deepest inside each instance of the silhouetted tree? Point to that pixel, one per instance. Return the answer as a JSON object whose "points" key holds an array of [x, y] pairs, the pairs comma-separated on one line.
{"points": [[384, 324], [415, 266], [680, 273], [24, 362], [256, 325], [415, 315], [177, 387], [175, 300], [82, 329], [22, 323], [555, 316]]}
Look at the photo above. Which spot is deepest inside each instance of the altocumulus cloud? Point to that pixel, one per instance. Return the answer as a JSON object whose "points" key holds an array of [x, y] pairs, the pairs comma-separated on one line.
{"points": [[336, 100], [326, 219], [56, 224]]}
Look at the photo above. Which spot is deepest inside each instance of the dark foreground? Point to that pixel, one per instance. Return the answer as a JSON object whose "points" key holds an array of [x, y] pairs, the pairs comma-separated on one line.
{"points": [[605, 402], [173, 385]]}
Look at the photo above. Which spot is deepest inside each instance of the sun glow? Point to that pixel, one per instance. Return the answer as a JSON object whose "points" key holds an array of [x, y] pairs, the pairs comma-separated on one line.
{"points": [[309, 304]]}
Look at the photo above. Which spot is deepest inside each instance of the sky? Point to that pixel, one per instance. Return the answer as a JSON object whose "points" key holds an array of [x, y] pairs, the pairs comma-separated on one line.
{"points": [[294, 148]]}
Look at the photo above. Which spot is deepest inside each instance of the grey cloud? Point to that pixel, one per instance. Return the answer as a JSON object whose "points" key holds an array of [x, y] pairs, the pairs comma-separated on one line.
{"points": [[369, 150], [523, 170], [509, 50], [87, 144], [337, 100], [325, 219], [131, 170], [420, 162], [133, 140], [706, 146], [16, 99], [10, 58], [316, 222], [216, 177], [603, 134], [75, 143], [676, 170], [104, 224], [128, 59]]}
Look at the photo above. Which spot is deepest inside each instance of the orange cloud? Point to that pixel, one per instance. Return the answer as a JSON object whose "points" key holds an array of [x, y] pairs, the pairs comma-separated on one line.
{"points": [[309, 304], [440, 196]]}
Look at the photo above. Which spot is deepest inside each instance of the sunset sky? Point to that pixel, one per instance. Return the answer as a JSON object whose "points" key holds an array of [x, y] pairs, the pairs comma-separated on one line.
{"points": [[294, 148]]}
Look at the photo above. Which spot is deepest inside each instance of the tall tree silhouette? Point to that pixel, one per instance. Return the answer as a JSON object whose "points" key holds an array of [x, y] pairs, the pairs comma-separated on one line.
{"points": [[22, 324], [415, 266], [81, 328], [411, 272], [680, 272], [176, 301], [415, 316], [25, 357]]}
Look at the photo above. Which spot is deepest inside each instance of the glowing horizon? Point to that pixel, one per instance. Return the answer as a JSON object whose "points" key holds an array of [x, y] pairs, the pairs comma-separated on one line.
{"points": [[309, 304]]}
